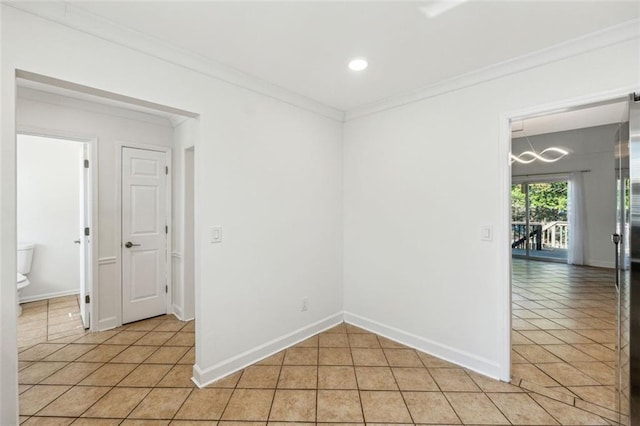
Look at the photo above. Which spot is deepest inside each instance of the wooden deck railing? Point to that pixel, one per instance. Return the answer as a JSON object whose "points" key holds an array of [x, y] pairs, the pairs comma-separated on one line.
{"points": [[541, 236]]}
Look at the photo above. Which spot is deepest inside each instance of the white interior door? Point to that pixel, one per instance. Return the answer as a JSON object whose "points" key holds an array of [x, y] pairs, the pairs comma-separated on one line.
{"points": [[84, 240], [144, 234]]}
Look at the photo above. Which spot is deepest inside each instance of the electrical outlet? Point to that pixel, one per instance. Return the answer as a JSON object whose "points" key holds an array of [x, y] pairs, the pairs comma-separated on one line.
{"points": [[305, 304]]}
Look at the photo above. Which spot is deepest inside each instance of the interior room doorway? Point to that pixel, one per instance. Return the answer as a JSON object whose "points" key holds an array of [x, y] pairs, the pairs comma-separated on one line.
{"points": [[55, 210], [565, 317]]}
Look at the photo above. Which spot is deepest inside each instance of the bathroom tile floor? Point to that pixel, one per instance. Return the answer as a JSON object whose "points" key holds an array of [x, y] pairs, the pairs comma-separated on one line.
{"points": [[564, 330], [140, 374], [48, 320]]}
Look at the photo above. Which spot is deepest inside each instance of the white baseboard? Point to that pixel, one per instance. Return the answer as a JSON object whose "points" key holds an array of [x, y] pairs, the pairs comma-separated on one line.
{"points": [[465, 359], [108, 324], [204, 376], [48, 296], [602, 264], [177, 312]]}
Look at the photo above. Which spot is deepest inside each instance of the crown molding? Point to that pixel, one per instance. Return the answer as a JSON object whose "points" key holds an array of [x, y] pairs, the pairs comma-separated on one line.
{"points": [[596, 40], [79, 19]]}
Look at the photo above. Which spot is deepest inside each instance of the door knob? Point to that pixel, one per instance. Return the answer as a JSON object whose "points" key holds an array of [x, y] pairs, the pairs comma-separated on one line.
{"points": [[129, 244], [76, 241]]}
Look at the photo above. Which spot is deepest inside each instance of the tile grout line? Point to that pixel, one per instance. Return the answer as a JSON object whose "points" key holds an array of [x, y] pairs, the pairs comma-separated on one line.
{"points": [[364, 418], [384, 354]]}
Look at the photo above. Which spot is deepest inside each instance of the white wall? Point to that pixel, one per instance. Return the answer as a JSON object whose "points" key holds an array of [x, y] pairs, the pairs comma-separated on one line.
{"points": [[589, 149], [269, 172], [421, 180], [48, 203], [111, 126]]}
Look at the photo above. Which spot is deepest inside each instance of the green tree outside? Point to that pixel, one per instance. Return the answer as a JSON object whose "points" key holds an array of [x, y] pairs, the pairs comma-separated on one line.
{"points": [[548, 202]]}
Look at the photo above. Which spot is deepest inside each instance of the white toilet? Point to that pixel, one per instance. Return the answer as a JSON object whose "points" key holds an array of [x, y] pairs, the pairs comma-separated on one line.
{"points": [[25, 256]]}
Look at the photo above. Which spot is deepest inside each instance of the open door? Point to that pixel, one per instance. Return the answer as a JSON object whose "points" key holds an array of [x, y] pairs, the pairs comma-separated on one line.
{"points": [[628, 380], [628, 320], [85, 237]]}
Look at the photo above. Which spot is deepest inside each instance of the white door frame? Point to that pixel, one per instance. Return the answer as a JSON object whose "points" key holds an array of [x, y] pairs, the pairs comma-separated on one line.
{"points": [[169, 204], [92, 283], [502, 232]]}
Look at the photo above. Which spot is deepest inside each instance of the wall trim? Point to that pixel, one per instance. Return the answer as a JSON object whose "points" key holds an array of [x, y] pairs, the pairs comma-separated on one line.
{"points": [[468, 360], [108, 323], [107, 260], [596, 40], [76, 18], [177, 311], [204, 376], [601, 264], [45, 296]]}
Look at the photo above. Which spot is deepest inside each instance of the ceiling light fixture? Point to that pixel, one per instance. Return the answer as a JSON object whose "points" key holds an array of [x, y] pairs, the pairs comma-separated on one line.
{"points": [[358, 64], [528, 157]]}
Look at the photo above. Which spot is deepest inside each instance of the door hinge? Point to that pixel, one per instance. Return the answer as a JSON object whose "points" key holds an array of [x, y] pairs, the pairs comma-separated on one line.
{"points": [[87, 299], [166, 229], [86, 231], [166, 289], [86, 164], [166, 170]]}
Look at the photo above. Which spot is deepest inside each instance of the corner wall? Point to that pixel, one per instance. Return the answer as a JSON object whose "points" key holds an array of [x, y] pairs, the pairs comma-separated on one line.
{"points": [[421, 180]]}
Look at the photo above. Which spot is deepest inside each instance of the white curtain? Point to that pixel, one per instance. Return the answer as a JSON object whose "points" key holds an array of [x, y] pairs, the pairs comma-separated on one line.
{"points": [[577, 221]]}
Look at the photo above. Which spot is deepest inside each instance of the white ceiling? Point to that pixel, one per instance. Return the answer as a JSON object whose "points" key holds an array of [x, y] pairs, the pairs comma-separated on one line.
{"points": [[304, 46]]}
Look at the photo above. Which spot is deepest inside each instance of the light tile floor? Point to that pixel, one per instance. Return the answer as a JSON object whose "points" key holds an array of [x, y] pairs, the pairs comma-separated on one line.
{"points": [[564, 330], [140, 374], [48, 320]]}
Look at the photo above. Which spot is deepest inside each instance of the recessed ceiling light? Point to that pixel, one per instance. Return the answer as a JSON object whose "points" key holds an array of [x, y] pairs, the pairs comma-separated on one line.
{"points": [[358, 64]]}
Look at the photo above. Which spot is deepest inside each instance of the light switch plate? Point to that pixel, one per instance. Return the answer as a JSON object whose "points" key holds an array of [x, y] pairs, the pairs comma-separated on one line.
{"points": [[486, 233], [216, 234]]}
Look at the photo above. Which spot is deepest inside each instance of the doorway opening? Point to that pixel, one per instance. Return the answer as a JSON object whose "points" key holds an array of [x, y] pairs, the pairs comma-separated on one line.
{"points": [[564, 311], [81, 113], [54, 220]]}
